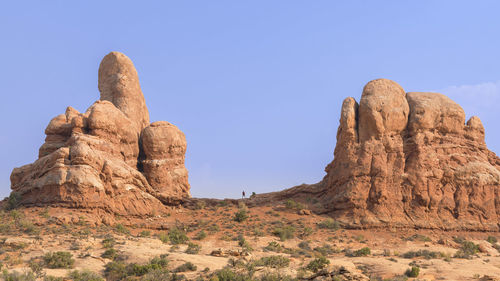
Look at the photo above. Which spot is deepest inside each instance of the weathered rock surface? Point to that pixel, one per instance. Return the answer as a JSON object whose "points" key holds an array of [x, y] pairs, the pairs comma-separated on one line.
{"points": [[164, 147], [407, 160], [93, 159]]}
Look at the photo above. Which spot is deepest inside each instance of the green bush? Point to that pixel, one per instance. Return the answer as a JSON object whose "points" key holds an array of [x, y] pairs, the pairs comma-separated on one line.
{"points": [[120, 228], [58, 260], [188, 266], [421, 253], [241, 215], [114, 271], [163, 237], [413, 271], [109, 254], [318, 264], [201, 235], [418, 237], [119, 270], [273, 247], [326, 250], [84, 275], [16, 276], [52, 278], [329, 224], [145, 233], [284, 233], [193, 248], [467, 250], [108, 242], [306, 231], [273, 261], [365, 251], [304, 245], [177, 236], [13, 201], [492, 239], [291, 204]]}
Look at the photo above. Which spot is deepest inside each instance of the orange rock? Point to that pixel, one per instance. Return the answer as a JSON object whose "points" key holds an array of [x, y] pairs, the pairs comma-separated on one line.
{"points": [[406, 160], [90, 160], [416, 163]]}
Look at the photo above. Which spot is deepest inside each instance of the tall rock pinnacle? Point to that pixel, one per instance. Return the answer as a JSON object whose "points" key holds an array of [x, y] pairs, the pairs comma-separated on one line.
{"points": [[93, 160], [119, 83]]}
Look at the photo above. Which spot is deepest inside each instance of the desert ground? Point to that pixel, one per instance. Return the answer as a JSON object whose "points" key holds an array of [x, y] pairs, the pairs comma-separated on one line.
{"points": [[230, 241]]}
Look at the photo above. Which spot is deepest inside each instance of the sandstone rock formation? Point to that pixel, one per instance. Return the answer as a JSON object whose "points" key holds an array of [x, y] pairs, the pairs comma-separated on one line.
{"points": [[109, 157], [407, 160]]}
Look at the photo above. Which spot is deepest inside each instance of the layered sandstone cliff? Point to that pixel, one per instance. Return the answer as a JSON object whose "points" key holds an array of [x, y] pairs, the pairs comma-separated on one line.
{"points": [[109, 157], [406, 160]]}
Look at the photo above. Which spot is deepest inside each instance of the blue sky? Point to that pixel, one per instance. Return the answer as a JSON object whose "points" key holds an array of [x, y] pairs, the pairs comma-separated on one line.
{"points": [[255, 85]]}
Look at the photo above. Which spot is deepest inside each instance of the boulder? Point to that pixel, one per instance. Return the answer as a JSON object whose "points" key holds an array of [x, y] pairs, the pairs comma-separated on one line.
{"points": [[164, 147]]}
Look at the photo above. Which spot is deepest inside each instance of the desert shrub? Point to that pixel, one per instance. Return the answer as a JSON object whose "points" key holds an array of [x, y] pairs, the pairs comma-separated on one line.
{"points": [[177, 236], [13, 200], [318, 264], [329, 224], [284, 233], [120, 270], [36, 265], [108, 242], [27, 227], [418, 237], [304, 245], [492, 239], [241, 215], [213, 228], [467, 250], [273, 261], [114, 271], [258, 232], [291, 204], [193, 248], [58, 260], [109, 254], [159, 275], [120, 228], [497, 247], [16, 276], [413, 271], [163, 237], [52, 278], [421, 253], [201, 235], [306, 231], [326, 250], [273, 247], [188, 266], [365, 251], [84, 275], [145, 233]]}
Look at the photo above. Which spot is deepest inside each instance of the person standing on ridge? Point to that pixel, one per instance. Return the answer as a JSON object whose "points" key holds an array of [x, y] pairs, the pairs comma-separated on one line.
{"points": [[243, 194]]}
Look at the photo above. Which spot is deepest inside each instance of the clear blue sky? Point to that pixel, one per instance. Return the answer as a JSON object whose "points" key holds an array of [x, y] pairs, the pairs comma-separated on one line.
{"points": [[255, 85]]}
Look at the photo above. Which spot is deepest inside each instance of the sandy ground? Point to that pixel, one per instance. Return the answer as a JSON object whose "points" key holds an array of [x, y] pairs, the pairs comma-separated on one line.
{"points": [[387, 246]]}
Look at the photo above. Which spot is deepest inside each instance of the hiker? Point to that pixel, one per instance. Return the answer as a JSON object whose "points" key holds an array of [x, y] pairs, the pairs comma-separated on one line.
{"points": [[243, 194]]}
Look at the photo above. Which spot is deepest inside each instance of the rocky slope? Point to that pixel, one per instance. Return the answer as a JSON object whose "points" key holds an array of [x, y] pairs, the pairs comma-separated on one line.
{"points": [[406, 160], [109, 158]]}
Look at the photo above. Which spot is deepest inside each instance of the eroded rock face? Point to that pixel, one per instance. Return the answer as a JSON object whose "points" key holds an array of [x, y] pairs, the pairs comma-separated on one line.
{"points": [[164, 147], [93, 159], [411, 160]]}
